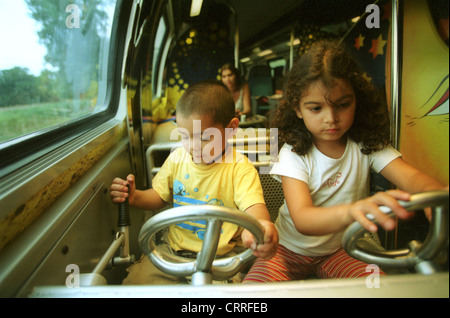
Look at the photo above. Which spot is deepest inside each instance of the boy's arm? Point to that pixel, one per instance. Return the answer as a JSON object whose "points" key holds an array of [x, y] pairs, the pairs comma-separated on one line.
{"points": [[269, 247], [148, 200], [259, 212]]}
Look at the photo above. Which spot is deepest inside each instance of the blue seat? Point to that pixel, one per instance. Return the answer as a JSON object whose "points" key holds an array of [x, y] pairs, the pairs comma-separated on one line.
{"points": [[260, 80]]}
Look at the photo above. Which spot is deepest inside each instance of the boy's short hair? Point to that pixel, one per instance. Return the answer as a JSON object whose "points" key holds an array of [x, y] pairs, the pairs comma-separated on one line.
{"points": [[210, 98]]}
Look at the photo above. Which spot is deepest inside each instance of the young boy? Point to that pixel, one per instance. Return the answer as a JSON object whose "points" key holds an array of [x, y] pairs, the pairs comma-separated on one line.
{"points": [[204, 171]]}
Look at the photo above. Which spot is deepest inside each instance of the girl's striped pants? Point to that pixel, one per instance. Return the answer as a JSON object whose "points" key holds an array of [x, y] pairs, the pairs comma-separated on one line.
{"points": [[287, 265]]}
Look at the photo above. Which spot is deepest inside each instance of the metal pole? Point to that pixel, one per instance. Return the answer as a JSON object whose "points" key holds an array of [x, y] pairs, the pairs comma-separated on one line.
{"points": [[104, 261], [394, 76], [291, 49], [236, 43]]}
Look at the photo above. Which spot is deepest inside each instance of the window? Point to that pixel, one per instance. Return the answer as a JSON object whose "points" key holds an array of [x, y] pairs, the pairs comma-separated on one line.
{"points": [[277, 63], [53, 72], [161, 36], [52, 63]]}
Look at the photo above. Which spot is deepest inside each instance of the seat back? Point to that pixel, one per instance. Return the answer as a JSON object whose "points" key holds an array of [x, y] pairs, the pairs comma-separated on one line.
{"points": [[261, 147], [273, 194], [260, 80]]}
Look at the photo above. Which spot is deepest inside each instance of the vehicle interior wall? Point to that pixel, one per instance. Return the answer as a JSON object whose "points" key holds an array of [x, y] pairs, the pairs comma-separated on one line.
{"points": [[79, 226], [424, 124], [61, 213], [75, 230]]}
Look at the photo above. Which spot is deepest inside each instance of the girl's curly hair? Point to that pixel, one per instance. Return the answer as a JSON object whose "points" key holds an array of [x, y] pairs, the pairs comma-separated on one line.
{"points": [[327, 61]]}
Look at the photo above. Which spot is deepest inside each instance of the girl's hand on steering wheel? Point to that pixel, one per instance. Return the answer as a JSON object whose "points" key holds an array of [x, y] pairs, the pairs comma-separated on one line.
{"points": [[358, 211]]}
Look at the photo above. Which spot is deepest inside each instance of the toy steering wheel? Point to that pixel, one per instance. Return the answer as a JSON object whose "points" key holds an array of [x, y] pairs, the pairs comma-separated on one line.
{"points": [[204, 268], [417, 255]]}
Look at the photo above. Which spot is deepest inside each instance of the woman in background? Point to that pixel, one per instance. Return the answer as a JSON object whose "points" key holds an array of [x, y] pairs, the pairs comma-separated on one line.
{"points": [[240, 91]]}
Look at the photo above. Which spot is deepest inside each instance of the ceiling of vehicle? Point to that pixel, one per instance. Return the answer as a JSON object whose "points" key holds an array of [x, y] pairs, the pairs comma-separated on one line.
{"points": [[257, 18], [267, 24], [256, 15]]}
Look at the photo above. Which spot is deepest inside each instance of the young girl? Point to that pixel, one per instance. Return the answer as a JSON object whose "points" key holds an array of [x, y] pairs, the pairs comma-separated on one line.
{"points": [[335, 129]]}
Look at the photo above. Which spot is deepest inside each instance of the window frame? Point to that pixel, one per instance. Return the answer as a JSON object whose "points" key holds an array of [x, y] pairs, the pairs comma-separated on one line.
{"points": [[23, 150], [161, 58]]}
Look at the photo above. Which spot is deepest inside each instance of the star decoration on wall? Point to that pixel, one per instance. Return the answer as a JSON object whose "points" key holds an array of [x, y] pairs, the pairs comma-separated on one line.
{"points": [[359, 41], [377, 46]]}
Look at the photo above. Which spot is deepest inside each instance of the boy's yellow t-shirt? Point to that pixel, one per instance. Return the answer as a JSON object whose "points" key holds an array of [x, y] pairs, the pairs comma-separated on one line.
{"points": [[232, 183]]}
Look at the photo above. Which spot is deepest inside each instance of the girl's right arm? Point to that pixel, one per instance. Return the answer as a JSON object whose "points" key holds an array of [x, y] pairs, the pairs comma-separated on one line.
{"points": [[311, 220], [142, 199]]}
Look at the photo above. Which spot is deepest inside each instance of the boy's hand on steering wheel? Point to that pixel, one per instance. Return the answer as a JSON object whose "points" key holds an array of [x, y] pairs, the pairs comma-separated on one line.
{"points": [[269, 247]]}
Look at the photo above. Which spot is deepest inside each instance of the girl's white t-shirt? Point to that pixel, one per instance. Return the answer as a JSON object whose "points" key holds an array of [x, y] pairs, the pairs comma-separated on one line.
{"points": [[331, 182]]}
